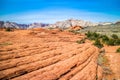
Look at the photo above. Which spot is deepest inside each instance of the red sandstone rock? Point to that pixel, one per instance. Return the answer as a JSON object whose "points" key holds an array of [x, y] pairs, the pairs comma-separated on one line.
{"points": [[47, 55]]}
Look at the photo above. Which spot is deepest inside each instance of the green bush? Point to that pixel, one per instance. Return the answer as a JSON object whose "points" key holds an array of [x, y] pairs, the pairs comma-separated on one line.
{"points": [[114, 36], [92, 35], [8, 29], [111, 42], [96, 35], [88, 34], [118, 50], [117, 42], [104, 38], [98, 43]]}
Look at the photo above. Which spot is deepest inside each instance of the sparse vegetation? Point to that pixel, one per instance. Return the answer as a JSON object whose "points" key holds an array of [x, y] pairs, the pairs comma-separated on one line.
{"points": [[107, 70], [98, 43], [104, 63], [93, 35], [80, 41], [51, 28], [113, 42], [114, 36], [5, 44], [96, 77], [8, 29], [102, 59], [96, 37], [103, 39], [102, 51], [74, 31], [100, 40], [103, 29], [110, 42], [117, 42], [118, 50]]}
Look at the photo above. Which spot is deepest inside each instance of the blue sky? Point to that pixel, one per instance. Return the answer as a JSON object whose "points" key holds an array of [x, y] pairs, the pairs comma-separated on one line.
{"points": [[50, 11]]}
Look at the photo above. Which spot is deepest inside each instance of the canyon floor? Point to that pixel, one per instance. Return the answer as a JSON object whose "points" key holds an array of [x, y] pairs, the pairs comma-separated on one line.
{"points": [[42, 54]]}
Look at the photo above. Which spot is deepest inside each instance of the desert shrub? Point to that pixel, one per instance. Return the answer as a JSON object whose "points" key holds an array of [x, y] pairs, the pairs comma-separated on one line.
{"points": [[80, 41], [96, 35], [118, 50], [107, 70], [104, 38], [98, 43], [5, 44], [93, 35], [74, 31], [88, 34], [102, 51], [102, 59], [117, 42], [114, 36], [111, 42], [96, 77], [8, 29], [51, 28]]}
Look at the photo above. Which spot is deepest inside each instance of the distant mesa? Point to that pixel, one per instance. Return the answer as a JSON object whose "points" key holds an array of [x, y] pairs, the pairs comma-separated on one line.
{"points": [[118, 22], [20, 26], [70, 23], [61, 24], [13, 25], [37, 25]]}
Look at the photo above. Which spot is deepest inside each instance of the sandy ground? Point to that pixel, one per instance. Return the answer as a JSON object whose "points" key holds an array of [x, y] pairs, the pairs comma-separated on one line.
{"points": [[113, 61]]}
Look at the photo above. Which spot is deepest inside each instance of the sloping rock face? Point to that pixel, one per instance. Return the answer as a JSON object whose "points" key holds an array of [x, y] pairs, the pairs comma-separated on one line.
{"points": [[41, 54]]}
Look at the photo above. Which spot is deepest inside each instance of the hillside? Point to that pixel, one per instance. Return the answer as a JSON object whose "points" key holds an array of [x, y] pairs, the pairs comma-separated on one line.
{"points": [[103, 29]]}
